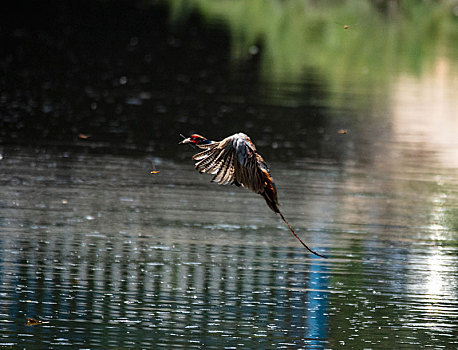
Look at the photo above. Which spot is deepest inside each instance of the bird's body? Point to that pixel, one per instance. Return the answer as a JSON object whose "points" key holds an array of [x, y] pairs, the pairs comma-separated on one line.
{"points": [[234, 160]]}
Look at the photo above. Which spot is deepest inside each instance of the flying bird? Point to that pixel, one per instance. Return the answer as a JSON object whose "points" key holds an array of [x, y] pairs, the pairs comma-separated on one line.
{"points": [[234, 160]]}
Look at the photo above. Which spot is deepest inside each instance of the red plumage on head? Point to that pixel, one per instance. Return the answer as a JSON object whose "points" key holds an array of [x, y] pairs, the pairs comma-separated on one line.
{"points": [[196, 139]]}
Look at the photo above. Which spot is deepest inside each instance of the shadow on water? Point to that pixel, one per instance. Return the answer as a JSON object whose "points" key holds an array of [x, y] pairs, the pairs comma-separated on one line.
{"points": [[94, 97], [132, 83]]}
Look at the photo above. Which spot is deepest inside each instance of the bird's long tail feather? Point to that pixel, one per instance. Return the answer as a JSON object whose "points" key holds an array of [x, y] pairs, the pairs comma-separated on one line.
{"points": [[300, 240]]}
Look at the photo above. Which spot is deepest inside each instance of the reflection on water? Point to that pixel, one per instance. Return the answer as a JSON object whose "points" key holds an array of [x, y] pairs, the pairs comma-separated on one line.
{"points": [[112, 256], [431, 126]]}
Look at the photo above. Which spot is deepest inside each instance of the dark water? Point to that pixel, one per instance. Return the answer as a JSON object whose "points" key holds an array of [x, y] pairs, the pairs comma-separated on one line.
{"points": [[108, 255]]}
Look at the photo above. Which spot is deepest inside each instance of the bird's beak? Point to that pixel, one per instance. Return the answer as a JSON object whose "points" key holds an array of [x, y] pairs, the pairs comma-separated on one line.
{"points": [[188, 140]]}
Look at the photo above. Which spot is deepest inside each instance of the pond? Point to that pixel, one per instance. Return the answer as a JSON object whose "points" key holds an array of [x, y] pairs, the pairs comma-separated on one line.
{"points": [[110, 239]]}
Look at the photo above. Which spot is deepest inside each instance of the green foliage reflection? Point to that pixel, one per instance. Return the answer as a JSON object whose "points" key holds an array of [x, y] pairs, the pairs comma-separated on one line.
{"points": [[359, 41]]}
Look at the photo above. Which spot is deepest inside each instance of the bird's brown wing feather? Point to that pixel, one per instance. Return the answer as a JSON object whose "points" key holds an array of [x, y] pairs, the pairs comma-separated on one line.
{"points": [[219, 161], [248, 175], [233, 160]]}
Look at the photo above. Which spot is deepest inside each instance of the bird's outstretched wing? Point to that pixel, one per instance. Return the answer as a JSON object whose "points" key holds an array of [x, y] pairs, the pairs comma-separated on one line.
{"points": [[233, 161], [217, 160]]}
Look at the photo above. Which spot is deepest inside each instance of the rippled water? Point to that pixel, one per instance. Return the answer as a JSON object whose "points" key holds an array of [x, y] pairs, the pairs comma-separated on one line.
{"points": [[107, 255], [112, 256]]}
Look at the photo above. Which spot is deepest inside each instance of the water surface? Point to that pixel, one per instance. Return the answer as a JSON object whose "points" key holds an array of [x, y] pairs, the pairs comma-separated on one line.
{"points": [[108, 255]]}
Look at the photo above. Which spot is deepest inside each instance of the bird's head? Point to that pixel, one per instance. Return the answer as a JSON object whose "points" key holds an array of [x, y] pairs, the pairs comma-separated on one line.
{"points": [[196, 140]]}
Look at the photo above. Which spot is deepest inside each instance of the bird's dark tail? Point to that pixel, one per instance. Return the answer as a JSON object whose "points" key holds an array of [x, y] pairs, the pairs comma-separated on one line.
{"points": [[271, 201], [270, 195], [300, 240]]}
